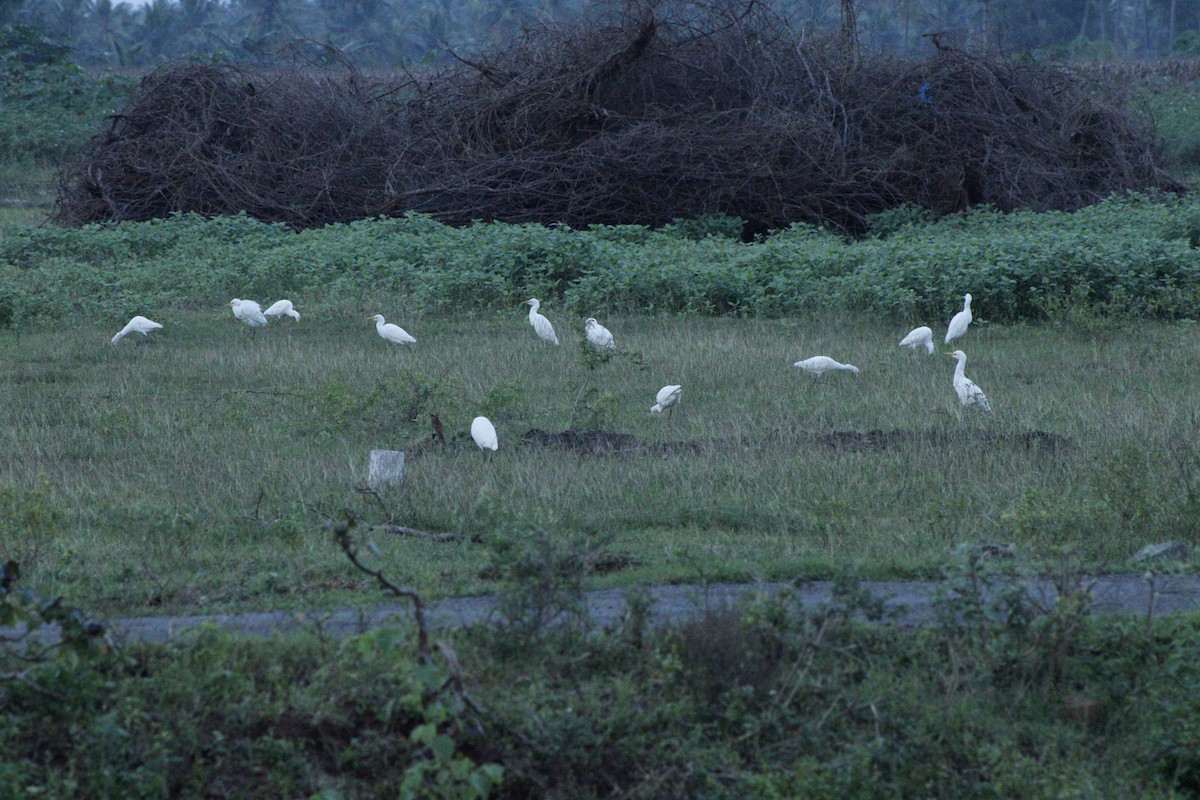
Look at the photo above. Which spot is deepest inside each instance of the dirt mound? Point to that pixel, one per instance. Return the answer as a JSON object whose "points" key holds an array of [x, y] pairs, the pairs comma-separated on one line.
{"points": [[675, 109], [878, 440], [601, 442], [597, 442]]}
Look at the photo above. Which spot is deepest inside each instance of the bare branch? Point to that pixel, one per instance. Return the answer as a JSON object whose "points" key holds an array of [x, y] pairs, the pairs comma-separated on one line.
{"points": [[341, 532]]}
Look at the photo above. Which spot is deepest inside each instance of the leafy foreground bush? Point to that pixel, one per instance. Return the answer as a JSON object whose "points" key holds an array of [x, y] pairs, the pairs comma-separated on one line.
{"points": [[1133, 255], [997, 701]]}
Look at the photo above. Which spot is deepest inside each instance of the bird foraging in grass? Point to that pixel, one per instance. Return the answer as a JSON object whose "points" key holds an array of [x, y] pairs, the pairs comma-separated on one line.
{"points": [[600, 336], [968, 393], [667, 398], [248, 312], [392, 332], [819, 365], [138, 324], [282, 308], [541, 325], [919, 337], [484, 433], [960, 321]]}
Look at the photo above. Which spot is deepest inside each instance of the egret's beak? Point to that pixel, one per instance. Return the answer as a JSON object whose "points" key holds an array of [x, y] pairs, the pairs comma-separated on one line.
{"points": [[948, 354]]}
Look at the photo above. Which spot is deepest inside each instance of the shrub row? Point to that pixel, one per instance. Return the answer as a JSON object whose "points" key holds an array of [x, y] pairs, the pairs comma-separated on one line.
{"points": [[1135, 255], [765, 704]]}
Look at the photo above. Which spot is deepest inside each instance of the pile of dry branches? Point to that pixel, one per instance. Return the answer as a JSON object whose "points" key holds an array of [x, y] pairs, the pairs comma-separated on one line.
{"points": [[676, 111]]}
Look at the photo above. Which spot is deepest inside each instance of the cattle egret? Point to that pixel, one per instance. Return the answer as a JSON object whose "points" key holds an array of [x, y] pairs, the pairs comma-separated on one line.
{"points": [[541, 325], [248, 312], [393, 333], [968, 393], [960, 321], [918, 337], [283, 308], [484, 433], [819, 365], [138, 324], [600, 336], [667, 397]]}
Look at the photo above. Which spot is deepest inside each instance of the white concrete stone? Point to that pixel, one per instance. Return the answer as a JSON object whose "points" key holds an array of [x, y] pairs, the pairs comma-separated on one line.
{"points": [[387, 468]]}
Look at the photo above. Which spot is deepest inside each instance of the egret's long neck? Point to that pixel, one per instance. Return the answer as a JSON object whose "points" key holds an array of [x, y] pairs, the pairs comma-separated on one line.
{"points": [[533, 307], [960, 368], [379, 324]]}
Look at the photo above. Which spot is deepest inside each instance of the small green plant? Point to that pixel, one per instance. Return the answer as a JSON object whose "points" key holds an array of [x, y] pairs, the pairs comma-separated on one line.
{"points": [[542, 576], [30, 520], [72, 633]]}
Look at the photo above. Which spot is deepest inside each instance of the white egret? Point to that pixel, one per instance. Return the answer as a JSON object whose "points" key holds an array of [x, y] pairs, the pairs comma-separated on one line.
{"points": [[138, 324], [968, 393], [960, 321], [283, 308], [667, 397], [918, 337], [541, 325], [819, 365], [600, 336], [484, 433], [248, 312], [392, 332]]}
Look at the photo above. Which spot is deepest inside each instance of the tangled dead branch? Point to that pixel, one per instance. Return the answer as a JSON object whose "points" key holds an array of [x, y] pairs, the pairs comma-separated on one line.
{"points": [[677, 109]]}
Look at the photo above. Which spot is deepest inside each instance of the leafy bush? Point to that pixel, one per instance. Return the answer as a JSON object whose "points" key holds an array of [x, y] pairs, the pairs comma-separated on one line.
{"points": [[48, 105], [1131, 255], [1174, 108]]}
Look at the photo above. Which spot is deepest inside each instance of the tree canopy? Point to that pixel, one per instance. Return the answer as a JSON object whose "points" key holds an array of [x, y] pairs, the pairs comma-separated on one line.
{"points": [[395, 33]]}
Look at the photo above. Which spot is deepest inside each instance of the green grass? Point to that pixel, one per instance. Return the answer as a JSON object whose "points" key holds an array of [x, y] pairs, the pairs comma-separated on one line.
{"points": [[132, 475]]}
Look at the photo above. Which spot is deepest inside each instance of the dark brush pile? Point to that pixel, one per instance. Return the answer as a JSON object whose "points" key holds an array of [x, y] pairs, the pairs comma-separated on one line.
{"points": [[301, 147], [684, 111]]}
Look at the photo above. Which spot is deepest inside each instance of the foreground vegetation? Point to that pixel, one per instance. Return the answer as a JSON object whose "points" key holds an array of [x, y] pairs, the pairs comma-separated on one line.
{"points": [[762, 702]]}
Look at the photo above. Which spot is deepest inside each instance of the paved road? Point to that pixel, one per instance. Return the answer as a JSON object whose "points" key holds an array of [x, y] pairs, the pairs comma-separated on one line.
{"points": [[907, 603]]}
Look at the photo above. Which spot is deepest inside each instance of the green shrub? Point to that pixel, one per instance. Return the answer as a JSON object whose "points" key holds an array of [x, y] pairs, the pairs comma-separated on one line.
{"points": [[1134, 255], [48, 105], [1174, 108]]}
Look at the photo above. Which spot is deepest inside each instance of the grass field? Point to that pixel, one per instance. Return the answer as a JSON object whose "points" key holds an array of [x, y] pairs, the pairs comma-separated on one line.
{"points": [[187, 473]]}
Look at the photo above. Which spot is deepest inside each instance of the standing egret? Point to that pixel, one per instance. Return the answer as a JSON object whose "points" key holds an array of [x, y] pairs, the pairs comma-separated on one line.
{"points": [[248, 312], [138, 324], [819, 365], [541, 325], [968, 393], [918, 337], [393, 333], [600, 336], [960, 321], [283, 308], [667, 397], [484, 433]]}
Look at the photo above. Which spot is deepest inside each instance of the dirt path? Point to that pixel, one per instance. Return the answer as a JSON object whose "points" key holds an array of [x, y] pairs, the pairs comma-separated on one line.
{"points": [[908, 603]]}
